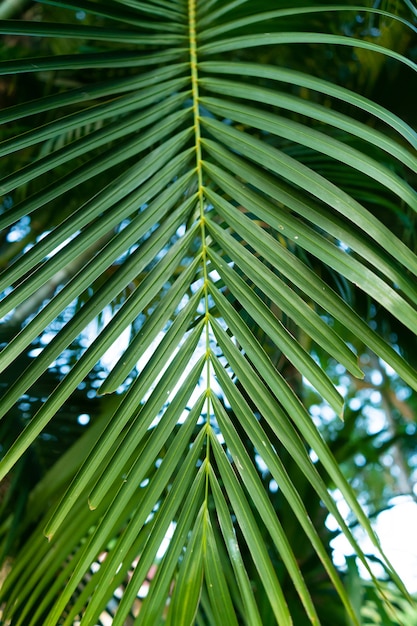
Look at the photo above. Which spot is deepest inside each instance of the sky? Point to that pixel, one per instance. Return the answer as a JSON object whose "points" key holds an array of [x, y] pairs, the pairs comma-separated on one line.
{"points": [[396, 529]]}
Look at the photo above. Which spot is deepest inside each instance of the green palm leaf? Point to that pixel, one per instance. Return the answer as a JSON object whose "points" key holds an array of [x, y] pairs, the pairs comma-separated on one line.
{"points": [[180, 211]]}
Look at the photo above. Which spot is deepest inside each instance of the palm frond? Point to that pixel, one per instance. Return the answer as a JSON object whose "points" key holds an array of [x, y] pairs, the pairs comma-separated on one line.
{"points": [[181, 213]]}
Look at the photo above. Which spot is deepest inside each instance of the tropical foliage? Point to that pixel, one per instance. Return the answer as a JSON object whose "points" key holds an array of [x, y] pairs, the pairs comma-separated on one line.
{"points": [[205, 217]]}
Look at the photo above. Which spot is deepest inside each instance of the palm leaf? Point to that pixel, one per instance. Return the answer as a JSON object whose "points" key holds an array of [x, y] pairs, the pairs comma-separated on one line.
{"points": [[193, 225]]}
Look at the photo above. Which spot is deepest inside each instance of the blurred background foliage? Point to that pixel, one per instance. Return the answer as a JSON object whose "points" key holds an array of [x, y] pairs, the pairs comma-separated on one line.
{"points": [[376, 445]]}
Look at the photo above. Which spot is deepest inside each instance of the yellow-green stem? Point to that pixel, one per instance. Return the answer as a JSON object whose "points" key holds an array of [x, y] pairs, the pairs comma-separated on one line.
{"points": [[200, 195]]}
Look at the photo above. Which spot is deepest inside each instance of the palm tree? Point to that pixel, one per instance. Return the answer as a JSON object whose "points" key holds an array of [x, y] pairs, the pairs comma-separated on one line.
{"points": [[181, 177]]}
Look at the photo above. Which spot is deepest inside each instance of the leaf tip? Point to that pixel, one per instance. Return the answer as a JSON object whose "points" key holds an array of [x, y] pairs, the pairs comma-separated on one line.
{"points": [[105, 388]]}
